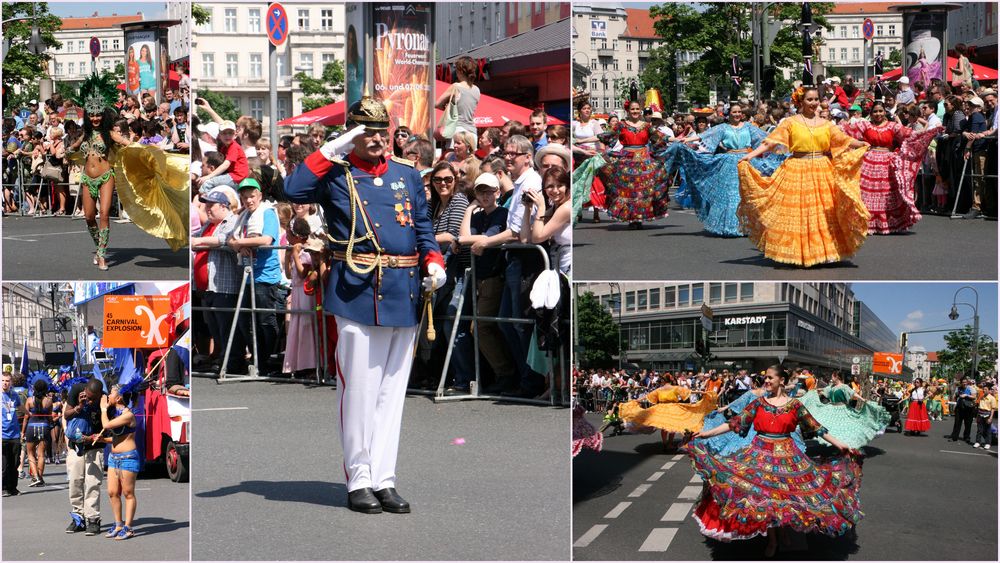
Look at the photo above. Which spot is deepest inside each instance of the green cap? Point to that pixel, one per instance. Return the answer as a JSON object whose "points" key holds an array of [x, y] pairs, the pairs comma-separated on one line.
{"points": [[855, 107], [250, 183]]}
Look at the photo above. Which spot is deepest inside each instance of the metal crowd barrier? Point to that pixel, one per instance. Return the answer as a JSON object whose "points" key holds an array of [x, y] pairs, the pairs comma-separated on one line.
{"points": [[21, 184], [319, 333]]}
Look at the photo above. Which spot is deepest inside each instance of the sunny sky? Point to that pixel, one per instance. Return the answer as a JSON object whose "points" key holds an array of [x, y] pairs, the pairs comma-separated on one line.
{"points": [[151, 10], [924, 306]]}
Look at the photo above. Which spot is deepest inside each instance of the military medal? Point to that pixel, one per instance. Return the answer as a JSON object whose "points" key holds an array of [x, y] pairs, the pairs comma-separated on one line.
{"points": [[377, 181]]}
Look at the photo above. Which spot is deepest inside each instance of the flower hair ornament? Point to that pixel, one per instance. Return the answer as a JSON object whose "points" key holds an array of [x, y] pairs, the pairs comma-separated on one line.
{"points": [[798, 95], [97, 93]]}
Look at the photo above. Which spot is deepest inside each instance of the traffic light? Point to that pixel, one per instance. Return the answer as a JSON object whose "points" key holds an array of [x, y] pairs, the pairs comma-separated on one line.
{"points": [[902, 341], [767, 82]]}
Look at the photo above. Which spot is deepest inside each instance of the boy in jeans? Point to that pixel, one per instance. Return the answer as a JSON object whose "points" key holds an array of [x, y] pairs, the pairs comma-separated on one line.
{"points": [[235, 169]]}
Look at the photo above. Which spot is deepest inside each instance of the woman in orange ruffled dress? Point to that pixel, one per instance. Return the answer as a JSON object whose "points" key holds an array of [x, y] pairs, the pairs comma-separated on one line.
{"points": [[810, 210], [669, 411]]}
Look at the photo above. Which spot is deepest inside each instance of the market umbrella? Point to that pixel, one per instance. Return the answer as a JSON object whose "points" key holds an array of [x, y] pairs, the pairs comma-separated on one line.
{"points": [[980, 72], [491, 112]]}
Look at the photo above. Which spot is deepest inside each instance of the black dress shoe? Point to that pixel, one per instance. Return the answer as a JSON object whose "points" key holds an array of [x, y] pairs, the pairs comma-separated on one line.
{"points": [[392, 502], [363, 500]]}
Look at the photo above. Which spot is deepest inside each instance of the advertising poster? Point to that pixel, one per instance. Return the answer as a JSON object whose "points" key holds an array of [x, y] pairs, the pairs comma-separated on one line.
{"points": [[403, 65], [354, 65], [142, 62], [136, 321], [925, 50]]}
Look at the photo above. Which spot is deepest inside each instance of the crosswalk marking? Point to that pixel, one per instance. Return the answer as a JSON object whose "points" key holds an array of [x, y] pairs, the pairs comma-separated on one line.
{"points": [[678, 457], [655, 476], [617, 511], [668, 465], [677, 512], [659, 539], [590, 536], [690, 492], [638, 491], [696, 478]]}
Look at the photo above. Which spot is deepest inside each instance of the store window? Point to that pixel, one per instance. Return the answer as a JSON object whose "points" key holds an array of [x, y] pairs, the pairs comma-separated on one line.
{"points": [[683, 295], [630, 301], [746, 292], [714, 293], [654, 298], [697, 294], [669, 296], [730, 292], [641, 299]]}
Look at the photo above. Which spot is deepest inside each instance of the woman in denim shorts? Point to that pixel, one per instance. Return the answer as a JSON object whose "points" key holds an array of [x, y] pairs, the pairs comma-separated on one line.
{"points": [[123, 463]]}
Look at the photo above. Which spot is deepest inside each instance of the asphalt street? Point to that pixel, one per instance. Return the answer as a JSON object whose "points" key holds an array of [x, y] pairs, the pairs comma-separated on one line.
{"points": [[924, 498], [486, 481], [60, 249], [35, 521], [678, 248]]}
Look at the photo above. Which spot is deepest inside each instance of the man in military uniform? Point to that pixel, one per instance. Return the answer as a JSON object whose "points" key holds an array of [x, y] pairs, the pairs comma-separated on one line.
{"points": [[382, 239]]}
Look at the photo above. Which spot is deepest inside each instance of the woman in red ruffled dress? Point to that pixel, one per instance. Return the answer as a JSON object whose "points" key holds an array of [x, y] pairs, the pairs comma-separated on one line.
{"points": [[635, 186], [771, 483], [889, 169], [916, 414]]}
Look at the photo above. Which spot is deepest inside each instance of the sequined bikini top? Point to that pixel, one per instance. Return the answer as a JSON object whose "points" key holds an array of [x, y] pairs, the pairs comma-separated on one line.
{"points": [[95, 146]]}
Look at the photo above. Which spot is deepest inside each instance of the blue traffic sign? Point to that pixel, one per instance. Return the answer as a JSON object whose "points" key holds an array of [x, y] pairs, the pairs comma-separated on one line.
{"points": [[95, 47], [868, 29], [24, 114], [277, 24]]}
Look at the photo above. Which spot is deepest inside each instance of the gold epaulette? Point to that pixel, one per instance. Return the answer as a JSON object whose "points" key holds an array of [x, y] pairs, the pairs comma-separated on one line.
{"points": [[340, 162], [405, 161]]}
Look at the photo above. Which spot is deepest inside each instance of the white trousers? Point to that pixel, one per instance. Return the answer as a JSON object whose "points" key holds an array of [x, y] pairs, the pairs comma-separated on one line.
{"points": [[373, 369]]}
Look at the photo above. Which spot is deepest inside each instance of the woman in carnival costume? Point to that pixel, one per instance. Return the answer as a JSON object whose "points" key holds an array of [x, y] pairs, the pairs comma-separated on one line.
{"points": [[854, 426], [35, 427], [713, 174], [771, 483], [584, 433], [152, 185], [916, 414], [731, 442], [635, 187], [810, 210], [889, 169], [123, 463], [669, 411], [586, 153]]}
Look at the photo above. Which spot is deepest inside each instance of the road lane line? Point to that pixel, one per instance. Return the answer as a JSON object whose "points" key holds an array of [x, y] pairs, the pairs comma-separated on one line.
{"points": [[638, 491], [617, 511], [678, 457], [659, 539], [655, 476], [677, 512], [965, 453], [696, 478], [668, 465], [223, 409], [690, 492], [590, 536]]}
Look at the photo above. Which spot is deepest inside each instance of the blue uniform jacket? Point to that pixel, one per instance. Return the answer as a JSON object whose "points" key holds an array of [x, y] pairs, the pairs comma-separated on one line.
{"points": [[398, 214]]}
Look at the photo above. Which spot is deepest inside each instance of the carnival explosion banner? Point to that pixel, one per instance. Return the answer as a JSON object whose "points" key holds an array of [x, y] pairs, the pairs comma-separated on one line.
{"points": [[404, 63]]}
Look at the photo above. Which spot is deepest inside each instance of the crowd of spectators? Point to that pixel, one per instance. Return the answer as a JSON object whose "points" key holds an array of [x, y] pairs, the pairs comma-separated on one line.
{"points": [[485, 188], [39, 179]]}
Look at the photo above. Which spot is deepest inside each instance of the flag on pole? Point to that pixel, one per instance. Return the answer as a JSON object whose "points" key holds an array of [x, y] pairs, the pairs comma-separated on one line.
{"points": [[180, 309], [24, 359]]}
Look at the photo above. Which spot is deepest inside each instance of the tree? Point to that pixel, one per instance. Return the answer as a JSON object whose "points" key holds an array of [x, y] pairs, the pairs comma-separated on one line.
{"points": [[317, 91], [597, 332], [21, 68], [893, 61], [220, 103], [200, 15], [718, 33], [956, 359]]}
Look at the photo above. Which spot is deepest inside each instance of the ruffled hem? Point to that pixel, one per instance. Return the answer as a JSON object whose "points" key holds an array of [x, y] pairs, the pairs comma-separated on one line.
{"points": [[854, 427], [636, 187], [671, 417]]}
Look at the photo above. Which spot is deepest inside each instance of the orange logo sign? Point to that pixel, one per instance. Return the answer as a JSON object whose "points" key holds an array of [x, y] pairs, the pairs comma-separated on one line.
{"points": [[136, 321], [884, 362]]}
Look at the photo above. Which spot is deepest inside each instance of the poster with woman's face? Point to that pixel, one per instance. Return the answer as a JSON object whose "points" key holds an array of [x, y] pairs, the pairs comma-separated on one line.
{"points": [[142, 45], [924, 52], [355, 57]]}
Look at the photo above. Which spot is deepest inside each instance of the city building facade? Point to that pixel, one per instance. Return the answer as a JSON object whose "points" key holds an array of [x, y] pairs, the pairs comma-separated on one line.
{"points": [[23, 308], [842, 46], [975, 24], [179, 36], [229, 54], [72, 61], [754, 324]]}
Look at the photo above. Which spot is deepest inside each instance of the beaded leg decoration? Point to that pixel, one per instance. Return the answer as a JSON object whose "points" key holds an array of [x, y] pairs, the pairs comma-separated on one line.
{"points": [[102, 242], [92, 229]]}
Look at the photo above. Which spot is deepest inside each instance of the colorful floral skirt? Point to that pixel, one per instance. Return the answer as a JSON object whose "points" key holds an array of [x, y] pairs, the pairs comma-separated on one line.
{"points": [[854, 427], [809, 212], [773, 483], [916, 417], [584, 433], [635, 187]]}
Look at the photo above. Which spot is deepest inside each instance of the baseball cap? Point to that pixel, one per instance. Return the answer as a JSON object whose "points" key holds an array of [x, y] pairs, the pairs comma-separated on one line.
{"points": [[227, 126], [211, 128], [250, 183], [214, 197], [976, 101], [487, 179], [855, 107], [904, 80]]}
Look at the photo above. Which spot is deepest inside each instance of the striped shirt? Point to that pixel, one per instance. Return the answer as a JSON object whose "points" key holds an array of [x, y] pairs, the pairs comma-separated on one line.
{"points": [[450, 221]]}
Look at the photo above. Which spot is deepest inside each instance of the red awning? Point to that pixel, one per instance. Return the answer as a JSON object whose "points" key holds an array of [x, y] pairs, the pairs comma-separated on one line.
{"points": [[979, 71], [491, 112]]}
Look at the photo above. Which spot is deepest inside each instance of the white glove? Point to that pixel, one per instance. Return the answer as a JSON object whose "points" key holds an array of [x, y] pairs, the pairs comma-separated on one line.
{"points": [[342, 144], [435, 278]]}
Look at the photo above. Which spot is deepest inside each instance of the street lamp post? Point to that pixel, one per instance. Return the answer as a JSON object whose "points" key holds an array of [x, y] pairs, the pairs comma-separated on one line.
{"points": [[953, 315], [621, 304]]}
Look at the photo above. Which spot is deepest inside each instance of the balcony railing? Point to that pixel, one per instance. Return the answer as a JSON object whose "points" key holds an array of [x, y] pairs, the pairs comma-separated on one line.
{"points": [[605, 52], [240, 81]]}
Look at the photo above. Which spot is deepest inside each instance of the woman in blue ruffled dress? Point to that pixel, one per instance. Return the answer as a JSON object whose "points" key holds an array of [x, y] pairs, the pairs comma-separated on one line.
{"points": [[731, 442], [712, 176]]}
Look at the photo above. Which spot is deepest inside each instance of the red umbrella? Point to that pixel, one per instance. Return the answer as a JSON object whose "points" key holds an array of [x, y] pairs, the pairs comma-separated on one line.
{"points": [[491, 112], [979, 71]]}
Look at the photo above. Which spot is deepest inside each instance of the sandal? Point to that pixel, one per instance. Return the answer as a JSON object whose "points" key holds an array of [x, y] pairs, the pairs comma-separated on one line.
{"points": [[113, 532], [125, 533]]}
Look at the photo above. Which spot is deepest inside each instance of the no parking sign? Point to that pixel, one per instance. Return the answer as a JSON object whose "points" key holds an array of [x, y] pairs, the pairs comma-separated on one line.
{"points": [[277, 24]]}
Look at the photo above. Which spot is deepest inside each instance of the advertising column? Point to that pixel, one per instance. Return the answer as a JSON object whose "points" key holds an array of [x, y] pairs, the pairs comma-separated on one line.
{"points": [[403, 63], [925, 47]]}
